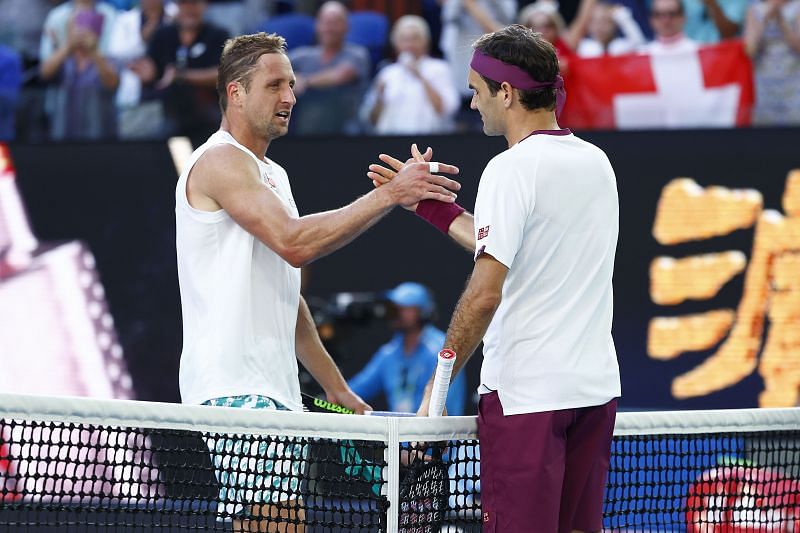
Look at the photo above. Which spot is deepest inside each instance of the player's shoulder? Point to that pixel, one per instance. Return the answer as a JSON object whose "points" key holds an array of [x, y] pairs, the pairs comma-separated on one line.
{"points": [[225, 160]]}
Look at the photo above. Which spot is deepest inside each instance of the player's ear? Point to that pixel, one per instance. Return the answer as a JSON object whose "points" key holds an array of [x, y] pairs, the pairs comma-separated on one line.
{"points": [[235, 92], [508, 94]]}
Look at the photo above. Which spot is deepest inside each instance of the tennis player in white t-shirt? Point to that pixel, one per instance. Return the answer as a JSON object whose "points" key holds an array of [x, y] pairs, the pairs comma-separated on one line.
{"points": [[240, 243], [544, 236]]}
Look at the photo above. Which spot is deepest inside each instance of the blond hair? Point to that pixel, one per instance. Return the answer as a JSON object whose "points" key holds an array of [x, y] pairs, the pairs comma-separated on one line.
{"points": [[239, 57]]}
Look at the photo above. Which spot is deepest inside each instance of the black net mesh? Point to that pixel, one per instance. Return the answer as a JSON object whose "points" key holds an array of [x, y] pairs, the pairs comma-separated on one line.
{"points": [[70, 477], [59, 476]]}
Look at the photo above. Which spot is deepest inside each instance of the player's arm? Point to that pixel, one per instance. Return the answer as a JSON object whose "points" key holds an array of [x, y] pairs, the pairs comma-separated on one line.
{"points": [[473, 314], [227, 178], [461, 229], [316, 359]]}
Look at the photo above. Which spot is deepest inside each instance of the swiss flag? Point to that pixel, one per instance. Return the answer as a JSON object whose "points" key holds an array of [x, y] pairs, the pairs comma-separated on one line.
{"points": [[708, 87]]}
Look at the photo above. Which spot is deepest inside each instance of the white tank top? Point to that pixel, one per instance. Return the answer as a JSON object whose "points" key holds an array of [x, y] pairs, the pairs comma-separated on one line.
{"points": [[239, 299]]}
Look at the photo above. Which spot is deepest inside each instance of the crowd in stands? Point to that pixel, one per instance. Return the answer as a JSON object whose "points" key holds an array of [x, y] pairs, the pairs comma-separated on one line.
{"points": [[132, 69]]}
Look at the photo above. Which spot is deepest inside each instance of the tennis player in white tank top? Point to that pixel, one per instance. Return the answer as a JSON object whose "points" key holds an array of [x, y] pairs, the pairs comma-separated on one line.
{"points": [[241, 243]]}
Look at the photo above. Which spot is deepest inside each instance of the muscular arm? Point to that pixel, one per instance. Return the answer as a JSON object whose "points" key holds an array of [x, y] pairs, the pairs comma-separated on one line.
{"points": [[473, 314], [227, 178]]}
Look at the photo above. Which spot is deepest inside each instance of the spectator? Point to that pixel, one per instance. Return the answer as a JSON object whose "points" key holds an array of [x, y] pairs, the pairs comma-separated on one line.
{"points": [[10, 83], [56, 25], [182, 64], [401, 368], [82, 104], [605, 23], [772, 39], [331, 77], [709, 21], [416, 94], [132, 35], [668, 20], [543, 16], [21, 29], [463, 21]]}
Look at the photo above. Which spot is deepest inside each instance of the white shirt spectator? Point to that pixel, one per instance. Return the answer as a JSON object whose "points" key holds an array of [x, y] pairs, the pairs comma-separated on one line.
{"points": [[543, 206], [405, 106]]}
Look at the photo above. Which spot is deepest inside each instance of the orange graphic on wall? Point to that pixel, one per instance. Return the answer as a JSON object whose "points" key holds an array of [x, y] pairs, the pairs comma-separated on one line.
{"points": [[764, 331]]}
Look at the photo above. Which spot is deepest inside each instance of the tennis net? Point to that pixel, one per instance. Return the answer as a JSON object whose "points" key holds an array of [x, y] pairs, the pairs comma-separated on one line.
{"points": [[72, 464]]}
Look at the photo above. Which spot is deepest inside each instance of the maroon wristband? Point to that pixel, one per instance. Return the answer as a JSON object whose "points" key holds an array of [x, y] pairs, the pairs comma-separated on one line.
{"points": [[440, 214]]}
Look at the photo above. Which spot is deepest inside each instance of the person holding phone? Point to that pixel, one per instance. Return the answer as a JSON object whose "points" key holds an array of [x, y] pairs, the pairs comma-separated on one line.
{"points": [[84, 79], [416, 94]]}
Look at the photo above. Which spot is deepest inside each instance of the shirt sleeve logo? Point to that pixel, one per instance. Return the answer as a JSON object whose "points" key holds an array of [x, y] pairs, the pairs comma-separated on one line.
{"points": [[483, 232]]}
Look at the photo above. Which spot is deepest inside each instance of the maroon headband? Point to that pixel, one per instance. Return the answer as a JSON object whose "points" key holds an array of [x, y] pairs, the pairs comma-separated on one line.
{"points": [[496, 70]]}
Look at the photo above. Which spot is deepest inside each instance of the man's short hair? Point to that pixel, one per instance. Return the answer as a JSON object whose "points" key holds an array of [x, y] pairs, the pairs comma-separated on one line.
{"points": [[239, 57], [528, 50]]}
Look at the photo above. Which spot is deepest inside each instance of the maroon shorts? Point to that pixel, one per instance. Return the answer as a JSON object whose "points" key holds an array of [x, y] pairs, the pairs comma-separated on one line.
{"points": [[544, 472]]}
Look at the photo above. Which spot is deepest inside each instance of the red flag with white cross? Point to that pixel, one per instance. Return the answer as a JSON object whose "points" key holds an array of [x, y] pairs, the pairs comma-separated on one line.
{"points": [[708, 87]]}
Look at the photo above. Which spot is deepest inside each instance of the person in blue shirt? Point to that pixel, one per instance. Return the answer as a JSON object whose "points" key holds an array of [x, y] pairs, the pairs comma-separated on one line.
{"points": [[402, 367], [10, 85]]}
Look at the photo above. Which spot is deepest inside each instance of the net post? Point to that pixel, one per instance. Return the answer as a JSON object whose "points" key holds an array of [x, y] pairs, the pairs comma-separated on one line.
{"points": [[393, 474]]}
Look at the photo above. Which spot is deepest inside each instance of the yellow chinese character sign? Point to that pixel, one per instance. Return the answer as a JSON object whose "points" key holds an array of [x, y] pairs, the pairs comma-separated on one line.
{"points": [[763, 333]]}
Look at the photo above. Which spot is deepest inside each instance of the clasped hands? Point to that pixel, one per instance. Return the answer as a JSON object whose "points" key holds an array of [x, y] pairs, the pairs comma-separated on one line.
{"points": [[415, 179]]}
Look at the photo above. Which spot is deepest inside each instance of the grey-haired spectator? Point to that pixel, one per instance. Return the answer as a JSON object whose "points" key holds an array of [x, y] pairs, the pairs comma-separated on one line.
{"points": [[331, 77], [463, 21], [415, 94], [606, 22], [10, 83], [772, 39], [81, 104], [182, 68], [134, 30]]}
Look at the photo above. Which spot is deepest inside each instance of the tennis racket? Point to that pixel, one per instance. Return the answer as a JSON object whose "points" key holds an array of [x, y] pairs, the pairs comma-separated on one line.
{"points": [[424, 484]]}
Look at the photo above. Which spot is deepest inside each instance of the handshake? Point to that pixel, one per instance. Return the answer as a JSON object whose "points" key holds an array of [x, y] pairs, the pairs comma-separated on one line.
{"points": [[416, 180]]}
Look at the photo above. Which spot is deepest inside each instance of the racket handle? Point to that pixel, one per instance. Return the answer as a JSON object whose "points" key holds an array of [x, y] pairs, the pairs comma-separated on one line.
{"points": [[441, 382]]}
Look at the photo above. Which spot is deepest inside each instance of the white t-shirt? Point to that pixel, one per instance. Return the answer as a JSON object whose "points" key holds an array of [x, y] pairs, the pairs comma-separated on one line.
{"points": [[547, 209], [239, 299]]}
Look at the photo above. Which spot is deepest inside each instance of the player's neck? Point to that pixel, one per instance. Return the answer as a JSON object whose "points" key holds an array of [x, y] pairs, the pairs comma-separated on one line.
{"points": [[522, 123], [244, 136]]}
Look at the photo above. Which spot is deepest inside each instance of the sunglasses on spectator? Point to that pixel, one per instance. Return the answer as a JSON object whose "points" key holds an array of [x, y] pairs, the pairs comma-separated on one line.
{"points": [[666, 14]]}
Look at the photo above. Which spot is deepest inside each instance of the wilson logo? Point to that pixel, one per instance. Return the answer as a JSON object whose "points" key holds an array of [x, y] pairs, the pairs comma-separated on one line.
{"points": [[483, 232], [328, 406]]}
